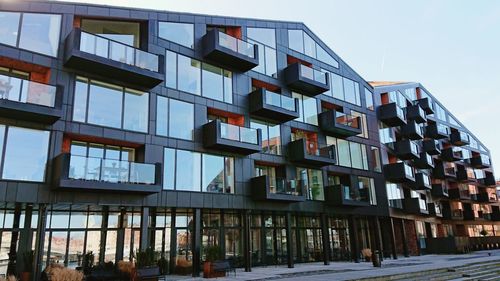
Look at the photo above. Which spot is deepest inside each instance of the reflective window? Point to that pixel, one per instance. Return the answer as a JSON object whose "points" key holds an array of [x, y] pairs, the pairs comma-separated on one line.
{"points": [[174, 118], [368, 184], [186, 74], [110, 105], [375, 154], [301, 42], [369, 99], [193, 171], [344, 89], [351, 91], [349, 154], [25, 155], [308, 109], [180, 33], [265, 38], [9, 29], [440, 113], [40, 33], [364, 123], [271, 136], [313, 181]]}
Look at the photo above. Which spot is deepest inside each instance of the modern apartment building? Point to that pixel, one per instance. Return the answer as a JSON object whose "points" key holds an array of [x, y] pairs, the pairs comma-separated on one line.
{"points": [[123, 129]]}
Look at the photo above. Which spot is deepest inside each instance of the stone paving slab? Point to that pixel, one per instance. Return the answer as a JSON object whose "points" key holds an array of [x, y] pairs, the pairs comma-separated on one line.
{"points": [[353, 271]]}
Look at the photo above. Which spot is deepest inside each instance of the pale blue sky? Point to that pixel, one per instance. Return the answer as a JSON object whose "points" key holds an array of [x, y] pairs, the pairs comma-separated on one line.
{"points": [[450, 46]]}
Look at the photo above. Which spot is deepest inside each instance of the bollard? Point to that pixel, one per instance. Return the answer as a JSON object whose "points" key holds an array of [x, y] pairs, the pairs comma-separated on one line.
{"points": [[376, 259]]}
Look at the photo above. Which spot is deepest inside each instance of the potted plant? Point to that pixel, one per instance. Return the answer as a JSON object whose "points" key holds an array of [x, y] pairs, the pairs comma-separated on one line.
{"points": [[163, 265], [212, 254], [28, 265], [88, 262], [367, 253], [483, 232], [146, 263]]}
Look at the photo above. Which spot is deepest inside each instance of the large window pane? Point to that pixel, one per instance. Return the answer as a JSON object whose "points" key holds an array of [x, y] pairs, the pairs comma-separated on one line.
{"points": [[229, 174], [181, 120], [171, 70], [188, 170], [105, 105], [343, 153], [80, 104], [26, 154], [309, 46], [228, 86], [168, 168], [136, 110], [212, 86], [180, 33], [189, 75], [295, 40], [263, 35], [337, 86], [161, 116], [310, 110], [122, 31], [356, 157], [40, 33], [213, 173], [315, 186], [9, 23]]}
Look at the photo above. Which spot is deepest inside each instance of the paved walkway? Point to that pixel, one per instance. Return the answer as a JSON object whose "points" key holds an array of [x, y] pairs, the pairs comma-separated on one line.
{"points": [[351, 271]]}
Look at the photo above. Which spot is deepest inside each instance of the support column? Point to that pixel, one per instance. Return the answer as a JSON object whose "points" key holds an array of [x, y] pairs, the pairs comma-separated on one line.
{"points": [[104, 234], [11, 266], [120, 236], [173, 244], [246, 241], [378, 238], [288, 231], [143, 244], [40, 239], [152, 233], [393, 240], [326, 239], [353, 230], [196, 242], [403, 237], [25, 239]]}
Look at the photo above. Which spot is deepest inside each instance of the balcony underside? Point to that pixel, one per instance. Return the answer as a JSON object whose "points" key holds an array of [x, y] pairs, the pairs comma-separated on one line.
{"points": [[212, 140], [29, 112], [335, 196], [274, 114], [328, 124], [261, 192]]}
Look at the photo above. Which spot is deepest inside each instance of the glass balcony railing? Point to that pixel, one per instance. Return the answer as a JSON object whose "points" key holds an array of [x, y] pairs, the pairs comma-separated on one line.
{"points": [[312, 74], [457, 213], [285, 186], [236, 45], [237, 133], [347, 120], [409, 171], [442, 129], [353, 193], [110, 170], [414, 148], [117, 51], [24, 91], [400, 113], [322, 151], [427, 179], [278, 100]]}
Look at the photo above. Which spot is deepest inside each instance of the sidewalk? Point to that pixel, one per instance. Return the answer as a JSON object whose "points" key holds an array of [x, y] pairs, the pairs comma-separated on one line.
{"points": [[350, 270]]}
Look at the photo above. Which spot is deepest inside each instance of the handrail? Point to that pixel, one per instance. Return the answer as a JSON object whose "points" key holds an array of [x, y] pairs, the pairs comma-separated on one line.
{"points": [[237, 45], [237, 133], [26, 91], [278, 100]]}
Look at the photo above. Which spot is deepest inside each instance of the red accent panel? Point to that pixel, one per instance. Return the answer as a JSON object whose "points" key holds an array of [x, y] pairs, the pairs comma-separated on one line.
{"points": [[290, 60], [234, 31], [385, 98], [261, 84], [330, 106], [74, 137], [232, 118], [77, 21], [38, 73]]}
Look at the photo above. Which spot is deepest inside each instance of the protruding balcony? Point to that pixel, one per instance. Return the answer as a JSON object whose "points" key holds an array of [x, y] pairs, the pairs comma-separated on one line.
{"points": [[425, 161], [306, 80], [495, 215], [29, 101], [453, 214], [399, 173], [480, 161], [415, 113], [299, 152], [412, 131], [466, 174], [120, 63], [74, 172], [459, 194], [431, 147], [426, 105], [391, 114], [487, 197], [281, 190], [436, 131], [348, 196], [434, 209], [404, 149], [339, 124], [469, 215], [459, 138], [273, 107], [488, 180], [451, 154], [444, 170], [229, 52], [231, 138], [415, 206], [422, 182], [439, 190]]}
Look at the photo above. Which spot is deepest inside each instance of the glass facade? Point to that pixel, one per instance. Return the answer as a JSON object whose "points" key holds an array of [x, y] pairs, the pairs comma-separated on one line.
{"points": [[110, 105], [186, 74], [180, 33], [265, 38], [301, 42], [344, 89], [308, 109], [174, 118], [349, 154], [271, 136]]}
